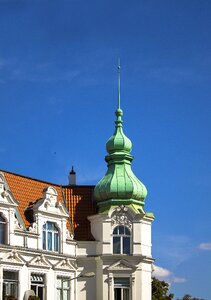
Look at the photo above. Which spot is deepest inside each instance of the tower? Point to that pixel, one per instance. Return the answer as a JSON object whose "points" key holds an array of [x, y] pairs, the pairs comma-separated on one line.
{"points": [[121, 226]]}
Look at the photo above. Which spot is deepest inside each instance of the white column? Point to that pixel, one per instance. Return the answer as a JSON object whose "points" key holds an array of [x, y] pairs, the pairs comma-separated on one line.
{"points": [[133, 287], [110, 286]]}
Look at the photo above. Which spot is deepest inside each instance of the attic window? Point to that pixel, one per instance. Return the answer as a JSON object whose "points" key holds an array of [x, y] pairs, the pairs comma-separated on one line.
{"points": [[3, 228], [50, 237]]}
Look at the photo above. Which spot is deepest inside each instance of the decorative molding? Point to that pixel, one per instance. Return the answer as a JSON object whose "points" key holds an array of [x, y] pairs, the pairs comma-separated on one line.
{"points": [[18, 225], [122, 265], [39, 261], [13, 258], [33, 228], [110, 279], [133, 279], [66, 264], [68, 235], [120, 217]]}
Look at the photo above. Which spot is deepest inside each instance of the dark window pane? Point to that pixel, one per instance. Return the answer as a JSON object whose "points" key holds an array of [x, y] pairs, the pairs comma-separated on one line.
{"points": [[55, 228], [44, 240], [2, 233], [115, 230], [122, 281], [2, 219], [121, 229], [50, 226], [116, 245], [9, 275], [126, 245], [127, 231], [117, 294], [40, 292], [125, 294], [49, 240], [56, 242]]}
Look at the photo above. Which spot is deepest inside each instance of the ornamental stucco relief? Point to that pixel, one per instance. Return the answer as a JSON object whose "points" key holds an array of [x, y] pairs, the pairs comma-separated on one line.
{"points": [[120, 217]]}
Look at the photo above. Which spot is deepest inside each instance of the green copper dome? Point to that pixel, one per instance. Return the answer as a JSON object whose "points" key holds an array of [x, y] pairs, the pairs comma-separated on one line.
{"points": [[118, 141], [119, 186]]}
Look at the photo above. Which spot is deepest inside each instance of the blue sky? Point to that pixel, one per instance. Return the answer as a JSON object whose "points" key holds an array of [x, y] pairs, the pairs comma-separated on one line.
{"points": [[58, 94]]}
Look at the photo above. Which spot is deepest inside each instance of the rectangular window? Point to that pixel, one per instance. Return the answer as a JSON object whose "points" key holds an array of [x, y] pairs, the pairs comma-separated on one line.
{"points": [[63, 288], [38, 285], [10, 284], [121, 288]]}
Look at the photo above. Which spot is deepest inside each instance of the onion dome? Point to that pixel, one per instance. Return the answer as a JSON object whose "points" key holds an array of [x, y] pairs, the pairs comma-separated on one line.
{"points": [[119, 186]]}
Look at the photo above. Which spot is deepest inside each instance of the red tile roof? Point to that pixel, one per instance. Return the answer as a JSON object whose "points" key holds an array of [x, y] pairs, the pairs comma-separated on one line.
{"points": [[80, 204], [78, 200]]}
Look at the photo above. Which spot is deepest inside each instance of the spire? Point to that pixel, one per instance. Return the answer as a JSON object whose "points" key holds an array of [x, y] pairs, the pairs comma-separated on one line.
{"points": [[119, 79], [119, 186], [119, 112]]}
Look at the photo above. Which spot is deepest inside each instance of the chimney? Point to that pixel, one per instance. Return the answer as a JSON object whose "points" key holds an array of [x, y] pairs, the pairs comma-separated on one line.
{"points": [[72, 177]]}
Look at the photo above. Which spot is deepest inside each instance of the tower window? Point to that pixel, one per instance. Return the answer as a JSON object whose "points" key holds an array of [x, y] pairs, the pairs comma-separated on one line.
{"points": [[122, 288], [50, 237], [121, 240]]}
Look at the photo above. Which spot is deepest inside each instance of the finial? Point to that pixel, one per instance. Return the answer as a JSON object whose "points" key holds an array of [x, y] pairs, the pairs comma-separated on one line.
{"points": [[72, 171], [119, 112], [72, 177], [119, 67]]}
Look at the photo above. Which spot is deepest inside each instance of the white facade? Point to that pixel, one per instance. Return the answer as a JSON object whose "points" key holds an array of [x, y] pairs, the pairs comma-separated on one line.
{"points": [[45, 258]]}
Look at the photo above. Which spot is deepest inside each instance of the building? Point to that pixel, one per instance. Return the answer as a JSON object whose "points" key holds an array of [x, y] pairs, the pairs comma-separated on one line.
{"points": [[52, 237]]}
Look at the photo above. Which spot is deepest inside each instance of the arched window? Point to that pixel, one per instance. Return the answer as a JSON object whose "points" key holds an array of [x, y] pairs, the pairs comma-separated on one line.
{"points": [[121, 240], [50, 237], [3, 230]]}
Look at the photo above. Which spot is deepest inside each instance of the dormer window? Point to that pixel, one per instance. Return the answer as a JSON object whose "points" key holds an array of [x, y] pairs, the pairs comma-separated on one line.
{"points": [[121, 240], [3, 230], [50, 237]]}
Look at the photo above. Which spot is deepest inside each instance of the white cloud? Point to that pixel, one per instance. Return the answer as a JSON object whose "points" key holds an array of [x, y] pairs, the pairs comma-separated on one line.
{"points": [[166, 275], [175, 249], [205, 246], [160, 272], [179, 280]]}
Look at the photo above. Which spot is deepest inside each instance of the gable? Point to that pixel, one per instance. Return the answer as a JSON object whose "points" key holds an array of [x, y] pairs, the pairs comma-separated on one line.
{"points": [[13, 258], [28, 192], [66, 265], [122, 265], [39, 261]]}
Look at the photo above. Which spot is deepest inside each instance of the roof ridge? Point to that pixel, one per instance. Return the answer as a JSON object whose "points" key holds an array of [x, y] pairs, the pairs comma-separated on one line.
{"points": [[32, 178]]}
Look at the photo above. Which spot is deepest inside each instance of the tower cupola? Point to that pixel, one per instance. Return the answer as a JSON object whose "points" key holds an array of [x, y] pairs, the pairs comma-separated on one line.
{"points": [[119, 186]]}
